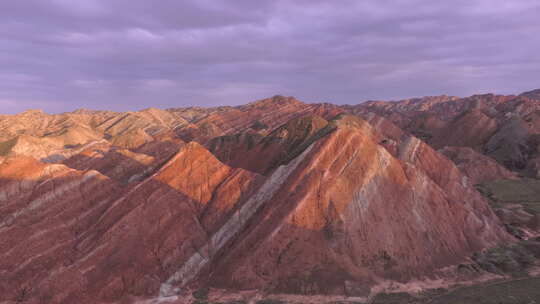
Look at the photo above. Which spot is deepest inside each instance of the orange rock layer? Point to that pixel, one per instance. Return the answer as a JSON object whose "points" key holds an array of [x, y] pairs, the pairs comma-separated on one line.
{"points": [[276, 195]]}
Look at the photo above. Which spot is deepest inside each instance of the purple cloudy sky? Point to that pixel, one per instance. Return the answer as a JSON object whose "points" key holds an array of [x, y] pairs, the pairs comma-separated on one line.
{"points": [[59, 55]]}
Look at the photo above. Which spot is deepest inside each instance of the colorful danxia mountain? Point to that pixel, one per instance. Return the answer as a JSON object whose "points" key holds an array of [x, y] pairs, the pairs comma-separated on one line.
{"points": [[275, 201]]}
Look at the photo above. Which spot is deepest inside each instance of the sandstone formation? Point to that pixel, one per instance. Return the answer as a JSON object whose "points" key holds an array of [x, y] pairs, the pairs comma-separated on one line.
{"points": [[334, 225], [44, 209], [477, 167], [263, 154], [471, 129], [276, 195], [500, 126], [110, 242], [118, 164], [261, 116]]}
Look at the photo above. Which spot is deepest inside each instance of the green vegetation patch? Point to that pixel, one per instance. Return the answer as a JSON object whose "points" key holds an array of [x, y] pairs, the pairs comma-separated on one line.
{"points": [[525, 191], [270, 301], [303, 146], [5, 147], [521, 291], [513, 259], [201, 293], [394, 298]]}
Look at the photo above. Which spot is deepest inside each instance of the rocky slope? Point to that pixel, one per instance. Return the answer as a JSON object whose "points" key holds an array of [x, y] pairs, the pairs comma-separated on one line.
{"points": [[276, 195], [263, 154], [477, 167], [332, 224], [503, 127], [534, 94]]}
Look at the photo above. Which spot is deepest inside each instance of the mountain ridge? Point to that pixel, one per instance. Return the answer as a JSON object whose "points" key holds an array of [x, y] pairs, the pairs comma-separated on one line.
{"points": [[275, 195]]}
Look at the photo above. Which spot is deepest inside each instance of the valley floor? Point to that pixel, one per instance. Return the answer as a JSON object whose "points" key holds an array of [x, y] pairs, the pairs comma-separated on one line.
{"points": [[525, 290], [518, 291]]}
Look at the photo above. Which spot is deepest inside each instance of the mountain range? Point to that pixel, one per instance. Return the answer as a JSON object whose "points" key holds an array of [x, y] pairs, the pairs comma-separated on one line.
{"points": [[302, 202]]}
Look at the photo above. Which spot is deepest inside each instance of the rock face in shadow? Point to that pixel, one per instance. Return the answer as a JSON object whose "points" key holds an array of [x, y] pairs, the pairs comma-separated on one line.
{"points": [[509, 144], [263, 154], [501, 127], [534, 94], [261, 117], [119, 164], [477, 167], [471, 129]]}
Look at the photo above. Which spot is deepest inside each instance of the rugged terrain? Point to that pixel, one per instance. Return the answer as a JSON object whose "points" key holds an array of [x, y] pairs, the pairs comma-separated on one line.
{"points": [[277, 199]]}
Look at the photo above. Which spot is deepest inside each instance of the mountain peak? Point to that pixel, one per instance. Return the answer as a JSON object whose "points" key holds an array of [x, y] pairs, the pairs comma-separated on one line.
{"points": [[32, 112], [276, 100], [534, 94], [276, 195]]}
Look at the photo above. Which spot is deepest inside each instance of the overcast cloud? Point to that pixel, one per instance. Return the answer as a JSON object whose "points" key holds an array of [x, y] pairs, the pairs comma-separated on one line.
{"points": [[59, 55]]}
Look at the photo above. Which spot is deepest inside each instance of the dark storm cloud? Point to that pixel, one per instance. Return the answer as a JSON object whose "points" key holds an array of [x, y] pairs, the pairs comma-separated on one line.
{"points": [[130, 54]]}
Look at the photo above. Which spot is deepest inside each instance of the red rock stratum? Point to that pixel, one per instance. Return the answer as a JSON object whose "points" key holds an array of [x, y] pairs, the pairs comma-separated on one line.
{"points": [[276, 195]]}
